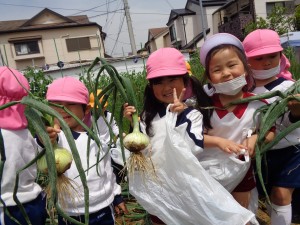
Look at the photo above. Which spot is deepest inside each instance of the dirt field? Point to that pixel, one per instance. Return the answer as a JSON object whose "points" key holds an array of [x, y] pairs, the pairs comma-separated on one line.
{"points": [[138, 216]]}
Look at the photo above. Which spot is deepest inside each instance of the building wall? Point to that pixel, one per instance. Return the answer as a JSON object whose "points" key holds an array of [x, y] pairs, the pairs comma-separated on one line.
{"points": [[52, 47], [160, 41], [260, 7], [122, 65], [167, 40]]}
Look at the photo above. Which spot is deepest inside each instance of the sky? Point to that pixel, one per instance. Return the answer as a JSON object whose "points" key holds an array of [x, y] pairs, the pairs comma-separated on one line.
{"points": [[109, 14]]}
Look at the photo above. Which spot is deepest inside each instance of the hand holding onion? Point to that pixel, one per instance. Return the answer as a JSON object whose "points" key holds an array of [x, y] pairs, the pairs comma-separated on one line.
{"points": [[52, 132], [135, 141]]}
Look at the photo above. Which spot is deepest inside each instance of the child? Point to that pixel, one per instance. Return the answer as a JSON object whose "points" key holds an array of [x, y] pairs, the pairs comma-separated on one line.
{"points": [[19, 148], [265, 56], [168, 77], [103, 189], [231, 79], [166, 72]]}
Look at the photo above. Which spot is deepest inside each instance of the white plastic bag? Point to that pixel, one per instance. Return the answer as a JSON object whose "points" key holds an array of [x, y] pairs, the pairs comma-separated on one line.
{"points": [[228, 170], [183, 192]]}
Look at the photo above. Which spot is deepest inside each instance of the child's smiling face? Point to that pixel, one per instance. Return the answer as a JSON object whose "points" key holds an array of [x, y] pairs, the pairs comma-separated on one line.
{"points": [[77, 109], [225, 65], [163, 88]]}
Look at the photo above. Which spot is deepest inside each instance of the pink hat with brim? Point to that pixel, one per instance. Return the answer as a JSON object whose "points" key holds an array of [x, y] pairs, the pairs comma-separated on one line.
{"points": [[165, 62], [68, 89], [262, 42], [11, 81], [216, 40]]}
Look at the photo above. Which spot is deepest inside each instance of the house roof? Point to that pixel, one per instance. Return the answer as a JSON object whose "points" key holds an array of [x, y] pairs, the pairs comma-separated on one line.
{"points": [[154, 32], [206, 3], [213, 3], [33, 24], [175, 13]]}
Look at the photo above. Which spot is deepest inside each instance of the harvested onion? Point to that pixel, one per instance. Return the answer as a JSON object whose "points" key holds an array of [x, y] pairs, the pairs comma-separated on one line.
{"points": [[63, 161], [136, 141]]}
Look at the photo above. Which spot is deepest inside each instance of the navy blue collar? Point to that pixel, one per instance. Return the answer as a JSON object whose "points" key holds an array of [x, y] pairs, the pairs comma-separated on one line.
{"points": [[274, 83], [76, 135]]}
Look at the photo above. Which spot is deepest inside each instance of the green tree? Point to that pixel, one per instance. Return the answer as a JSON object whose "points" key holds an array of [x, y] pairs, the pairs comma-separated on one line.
{"points": [[279, 20], [297, 18]]}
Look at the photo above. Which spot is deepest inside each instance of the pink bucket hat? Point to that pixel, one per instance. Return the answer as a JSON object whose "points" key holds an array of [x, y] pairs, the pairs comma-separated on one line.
{"points": [[12, 118], [261, 42], [68, 89], [216, 40], [165, 62]]}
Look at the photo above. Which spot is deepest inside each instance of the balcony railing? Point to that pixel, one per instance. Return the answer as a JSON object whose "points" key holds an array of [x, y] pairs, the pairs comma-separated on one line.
{"points": [[236, 24]]}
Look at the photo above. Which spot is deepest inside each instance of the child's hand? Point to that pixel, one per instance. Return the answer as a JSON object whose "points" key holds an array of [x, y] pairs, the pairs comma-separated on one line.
{"points": [[128, 111], [121, 208], [294, 107], [52, 132], [250, 144], [229, 146], [178, 106]]}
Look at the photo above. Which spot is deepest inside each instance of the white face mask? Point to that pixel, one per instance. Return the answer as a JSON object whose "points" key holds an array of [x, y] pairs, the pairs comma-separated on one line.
{"points": [[231, 87], [266, 74]]}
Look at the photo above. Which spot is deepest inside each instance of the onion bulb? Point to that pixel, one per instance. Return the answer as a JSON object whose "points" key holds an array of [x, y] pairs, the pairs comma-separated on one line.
{"points": [[63, 160], [136, 141]]}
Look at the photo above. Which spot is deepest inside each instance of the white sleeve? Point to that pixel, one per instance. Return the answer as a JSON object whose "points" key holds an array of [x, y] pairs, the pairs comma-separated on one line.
{"points": [[194, 130]]}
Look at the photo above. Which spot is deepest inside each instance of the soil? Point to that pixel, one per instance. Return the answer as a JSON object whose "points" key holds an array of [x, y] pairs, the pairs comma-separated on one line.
{"points": [[138, 216]]}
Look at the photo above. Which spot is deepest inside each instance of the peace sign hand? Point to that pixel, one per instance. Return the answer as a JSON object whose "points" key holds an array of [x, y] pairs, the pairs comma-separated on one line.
{"points": [[178, 106]]}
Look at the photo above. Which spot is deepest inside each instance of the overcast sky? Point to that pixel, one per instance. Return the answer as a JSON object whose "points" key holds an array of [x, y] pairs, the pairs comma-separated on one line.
{"points": [[109, 14]]}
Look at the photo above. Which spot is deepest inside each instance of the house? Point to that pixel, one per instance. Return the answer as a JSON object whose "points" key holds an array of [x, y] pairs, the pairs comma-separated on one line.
{"points": [[158, 38], [49, 40], [236, 14], [187, 26]]}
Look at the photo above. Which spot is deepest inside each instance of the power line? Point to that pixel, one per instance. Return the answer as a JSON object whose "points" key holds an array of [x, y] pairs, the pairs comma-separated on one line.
{"points": [[118, 41], [110, 21], [40, 7], [87, 10], [120, 28], [169, 4]]}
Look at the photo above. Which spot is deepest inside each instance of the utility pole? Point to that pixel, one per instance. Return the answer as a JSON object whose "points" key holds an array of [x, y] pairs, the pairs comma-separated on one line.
{"points": [[129, 25], [202, 19]]}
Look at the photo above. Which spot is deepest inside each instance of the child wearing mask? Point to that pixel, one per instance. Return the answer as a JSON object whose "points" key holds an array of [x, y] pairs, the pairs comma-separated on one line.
{"points": [[233, 129], [169, 85], [104, 192], [264, 53], [19, 148]]}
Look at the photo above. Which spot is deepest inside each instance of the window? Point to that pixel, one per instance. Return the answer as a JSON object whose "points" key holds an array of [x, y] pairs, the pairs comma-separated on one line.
{"points": [[27, 47], [288, 5], [76, 44], [173, 33]]}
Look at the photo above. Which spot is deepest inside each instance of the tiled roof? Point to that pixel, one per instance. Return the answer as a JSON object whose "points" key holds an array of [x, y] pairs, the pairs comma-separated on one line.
{"points": [[23, 25], [156, 31]]}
